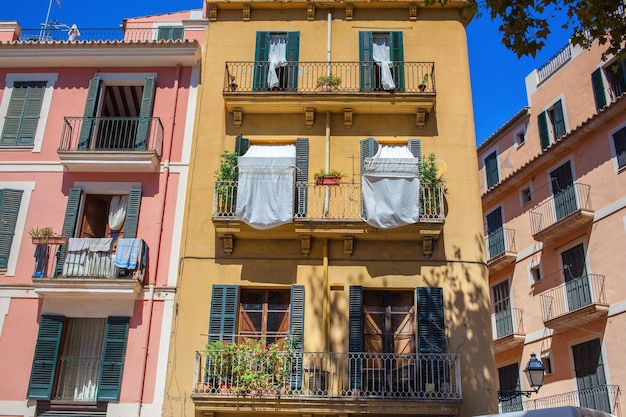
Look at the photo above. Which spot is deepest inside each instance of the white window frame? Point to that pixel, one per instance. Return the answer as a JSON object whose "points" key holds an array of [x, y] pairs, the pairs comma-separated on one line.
{"points": [[612, 145], [11, 79], [521, 131]]}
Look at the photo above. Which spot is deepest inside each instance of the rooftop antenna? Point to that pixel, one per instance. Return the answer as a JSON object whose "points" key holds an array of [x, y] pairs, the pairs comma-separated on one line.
{"points": [[45, 27]]}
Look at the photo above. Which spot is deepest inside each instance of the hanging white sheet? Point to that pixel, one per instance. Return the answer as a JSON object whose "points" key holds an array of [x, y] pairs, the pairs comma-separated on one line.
{"points": [[382, 56], [390, 186], [278, 57], [266, 182]]}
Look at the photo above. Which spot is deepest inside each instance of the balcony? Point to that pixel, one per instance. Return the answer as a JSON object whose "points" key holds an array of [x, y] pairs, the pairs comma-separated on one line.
{"points": [[331, 211], [562, 214], [508, 329], [574, 303], [320, 382], [246, 90], [85, 273], [602, 397], [501, 250], [62, 33], [111, 144]]}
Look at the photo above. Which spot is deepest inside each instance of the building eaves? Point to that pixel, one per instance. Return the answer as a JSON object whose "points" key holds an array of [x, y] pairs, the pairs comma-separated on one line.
{"points": [[513, 120]]}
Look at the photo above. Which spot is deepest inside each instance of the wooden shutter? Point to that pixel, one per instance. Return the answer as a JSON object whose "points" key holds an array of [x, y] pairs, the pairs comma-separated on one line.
{"points": [[366, 60], [132, 213], [22, 117], [415, 146], [112, 364], [559, 120], [430, 320], [296, 332], [261, 64], [544, 135], [241, 144], [144, 124], [91, 106], [223, 314], [397, 58], [598, 88], [10, 201], [69, 225], [293, 55], [491, 169], [45, 358], [302, 176], [355, 335]]}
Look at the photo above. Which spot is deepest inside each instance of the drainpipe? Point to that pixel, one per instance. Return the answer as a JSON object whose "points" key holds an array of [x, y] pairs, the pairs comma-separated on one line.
{"points": [[326, 301], [167, 152]]}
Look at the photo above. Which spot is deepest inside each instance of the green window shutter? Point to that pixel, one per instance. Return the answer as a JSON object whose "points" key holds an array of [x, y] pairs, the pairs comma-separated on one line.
{"points": [[69, 225], [223, 314], [241, 145], [559, 120], [293, 55], [415, 146], [397, 57], [10, 201], [22, 118], [261, 64], [91, 105], [170, 33], [45, 358], [296, 332], [143, 126], [132, 213], [544, 135], [355, 335], [430, 320], [302, 175], [112, 364], [491, 169], [598, 88], [619, 140], [366, 60], [369, 147]]}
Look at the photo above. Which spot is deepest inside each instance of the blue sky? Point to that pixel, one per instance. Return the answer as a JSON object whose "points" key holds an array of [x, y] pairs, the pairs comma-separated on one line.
{"points": [[497, 75]]}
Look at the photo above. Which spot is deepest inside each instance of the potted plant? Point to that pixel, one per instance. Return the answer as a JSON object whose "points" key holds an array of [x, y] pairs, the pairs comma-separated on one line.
{"points": [[328, 82], [232, 85], [424, 83], [332, 177], [46, 236], [226, 183], [431, 181]]}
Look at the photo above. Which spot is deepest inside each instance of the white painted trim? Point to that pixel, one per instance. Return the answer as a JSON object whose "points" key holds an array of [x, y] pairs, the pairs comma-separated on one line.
{"points": [[27, 188], [18, 408], [181, 204], [101, 187], [50, 79], [617, 308], [522, 129], [538, 335], [190, 119], [4, 311], [162, 362], [121, 78], [609, 209], [28, 166]]}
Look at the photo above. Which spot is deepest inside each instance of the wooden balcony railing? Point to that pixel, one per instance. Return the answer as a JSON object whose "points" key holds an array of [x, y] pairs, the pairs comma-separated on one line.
{"points": [[320, 203], [302, 77], [572, 295]]}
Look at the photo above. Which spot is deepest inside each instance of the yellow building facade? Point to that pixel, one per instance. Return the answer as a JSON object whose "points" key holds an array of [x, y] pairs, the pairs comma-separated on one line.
{"points": [[366, 297]]}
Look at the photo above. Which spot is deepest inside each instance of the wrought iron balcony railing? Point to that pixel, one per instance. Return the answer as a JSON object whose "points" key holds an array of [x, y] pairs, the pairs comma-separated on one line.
{"points": [[602, 397], [560, 205], [112, 134], [304, 77], [329, 375], [340, 202], [63, 33], [499, 242], [572, 295], [507, 322]]}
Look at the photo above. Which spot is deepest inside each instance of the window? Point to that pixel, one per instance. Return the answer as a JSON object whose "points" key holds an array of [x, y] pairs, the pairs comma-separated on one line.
{"points": [[527, 195], [616, 76], [551, 124], [520, 136], [79, 359], [496, 241], [381, 55], [619, 143], [170, 33], [22, 117], [577, 283], [564, 193], [491, 169], [509, 381], [10, 201], [546, 360], [590, 376], [276, 61], [598, 88], [535, 273], [502, 309], [117, 115]]}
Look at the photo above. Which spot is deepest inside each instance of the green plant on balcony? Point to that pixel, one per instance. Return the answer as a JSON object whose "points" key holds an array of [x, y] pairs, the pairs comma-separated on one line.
{"points": [[328, 82], [424, 83], [332, 177], [45, 235], [431, 181], [226, 179]]}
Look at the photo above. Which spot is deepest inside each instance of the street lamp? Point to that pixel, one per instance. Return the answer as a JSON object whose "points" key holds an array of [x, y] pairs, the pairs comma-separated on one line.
{"points": [[534, 372]]}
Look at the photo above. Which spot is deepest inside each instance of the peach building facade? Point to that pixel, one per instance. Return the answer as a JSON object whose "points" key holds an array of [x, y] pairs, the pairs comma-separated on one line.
{"points": [[95, 138], [553, 190]]}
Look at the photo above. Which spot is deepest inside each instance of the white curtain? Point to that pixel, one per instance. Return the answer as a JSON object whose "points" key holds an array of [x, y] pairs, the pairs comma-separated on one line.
{"points": [[277, 56], [382, 56], [266, 182], [390, 186], [80, 359], [117, 212]]}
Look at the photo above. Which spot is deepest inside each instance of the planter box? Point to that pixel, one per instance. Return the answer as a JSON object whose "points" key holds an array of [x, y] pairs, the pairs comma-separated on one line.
{"points": [[49, 240], [328, 180]]}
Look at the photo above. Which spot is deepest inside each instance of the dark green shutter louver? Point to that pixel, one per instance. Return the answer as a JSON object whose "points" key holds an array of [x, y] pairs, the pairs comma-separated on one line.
{"points": [[241, 145], [415, 146], [45, 358], [132, 213], [302, 176], [430, 320], [10, 201], [170, 33], [355, 334], [296, 333], [598, 88], [544, 135], [292, 55], [261, 64], [69, 225], [559, 120], [223, 314], [366, 61], [397, 59], [619, 140], [113, 354], [144, 125], [491, 169], [89, 114], [22, 117]]}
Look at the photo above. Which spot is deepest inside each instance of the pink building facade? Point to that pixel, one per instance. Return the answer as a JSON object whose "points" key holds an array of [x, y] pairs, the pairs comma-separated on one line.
{"points": [[553, 184], [95, 138]]}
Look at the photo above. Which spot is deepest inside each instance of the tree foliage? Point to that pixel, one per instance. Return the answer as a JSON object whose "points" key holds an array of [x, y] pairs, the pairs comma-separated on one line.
{"points": [[526, 23]]}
